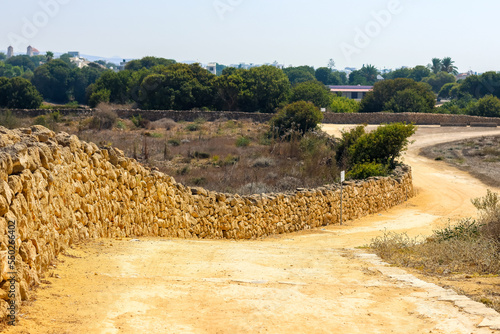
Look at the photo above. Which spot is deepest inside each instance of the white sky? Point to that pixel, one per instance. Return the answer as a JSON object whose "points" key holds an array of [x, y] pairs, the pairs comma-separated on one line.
{"points": [[292, 32]]}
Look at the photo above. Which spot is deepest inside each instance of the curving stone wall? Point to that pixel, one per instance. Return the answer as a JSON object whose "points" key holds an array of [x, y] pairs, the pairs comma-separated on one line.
{"points": [[56, 190]]}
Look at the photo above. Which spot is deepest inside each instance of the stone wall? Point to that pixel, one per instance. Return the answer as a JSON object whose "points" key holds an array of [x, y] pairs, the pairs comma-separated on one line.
{"points": [[56, 190], [330, 118]]}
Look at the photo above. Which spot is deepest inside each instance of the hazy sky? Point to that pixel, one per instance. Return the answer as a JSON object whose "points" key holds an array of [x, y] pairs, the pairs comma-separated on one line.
{"points": [[385, 33]]}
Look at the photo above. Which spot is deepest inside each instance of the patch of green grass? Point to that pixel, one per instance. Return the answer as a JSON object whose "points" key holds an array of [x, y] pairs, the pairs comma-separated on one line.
{"points": [[243, 141]]}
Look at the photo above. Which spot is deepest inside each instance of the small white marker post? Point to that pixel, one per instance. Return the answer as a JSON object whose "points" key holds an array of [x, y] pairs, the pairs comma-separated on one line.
{"points": [[342, 179]]}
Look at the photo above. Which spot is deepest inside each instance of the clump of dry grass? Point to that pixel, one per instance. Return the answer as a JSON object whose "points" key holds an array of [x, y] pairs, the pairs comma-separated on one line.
{"points": [[470, 247]]}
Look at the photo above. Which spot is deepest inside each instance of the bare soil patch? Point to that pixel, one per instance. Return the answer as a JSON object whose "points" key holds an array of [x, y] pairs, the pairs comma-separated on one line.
{"points": [[478, 156]]}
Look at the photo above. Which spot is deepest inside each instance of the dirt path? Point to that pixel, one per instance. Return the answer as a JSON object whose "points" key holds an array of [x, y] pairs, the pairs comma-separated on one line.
{"points": [[308, 282]]}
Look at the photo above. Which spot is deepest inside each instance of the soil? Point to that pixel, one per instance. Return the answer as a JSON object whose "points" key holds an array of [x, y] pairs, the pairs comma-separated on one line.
{"points": [[307, 282]]}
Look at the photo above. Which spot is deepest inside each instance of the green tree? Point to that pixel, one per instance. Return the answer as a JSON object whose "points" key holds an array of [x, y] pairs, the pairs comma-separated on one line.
{"points": [[53, 81], [268, 89], [418, 73], [383, 145], [437, 81], [436, 66], [448, 90], [488, 106], [49, 55], [3, 56], [384, 91], [341, 104], [23, 61], [66, 59], [148, 63], [367, 75], [448, 66], [299, 74], [479, 86], [407, 100], [299, 116], [312, 91], [230, 88], [19, 93], [328, 77]]}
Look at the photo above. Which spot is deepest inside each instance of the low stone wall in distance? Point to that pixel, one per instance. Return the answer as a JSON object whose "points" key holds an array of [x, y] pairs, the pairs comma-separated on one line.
{"points": [[56, 190], [329, 118]]}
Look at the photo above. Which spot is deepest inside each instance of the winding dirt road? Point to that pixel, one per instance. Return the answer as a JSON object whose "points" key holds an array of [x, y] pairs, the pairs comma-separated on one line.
{"points": [[307, 282]]}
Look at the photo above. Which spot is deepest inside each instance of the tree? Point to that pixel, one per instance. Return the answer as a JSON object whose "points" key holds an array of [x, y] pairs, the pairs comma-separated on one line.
{"points": [[148, 63], [331, 64], [488, 106], [383, 145], [177, 87], [341, 104], [436, 65], [437, 81], [66, 58], [49, 55], [311, 91], [384, 91], [480, 86], [299, 116], [268, 89], [3, 56], [19, 93], [53, 81], [23, 61], [367, 75], [447, 89], [448, 66], [408, 100], [419, 72], [327, 77], [299, 74], [230, 88]]}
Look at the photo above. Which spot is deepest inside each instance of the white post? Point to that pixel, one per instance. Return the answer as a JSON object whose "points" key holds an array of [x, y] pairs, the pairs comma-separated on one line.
{"points": [[342, 179]]}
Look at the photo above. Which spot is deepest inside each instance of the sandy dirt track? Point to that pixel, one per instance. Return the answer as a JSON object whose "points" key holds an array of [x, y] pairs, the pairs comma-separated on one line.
{"points": [[307, 282]]}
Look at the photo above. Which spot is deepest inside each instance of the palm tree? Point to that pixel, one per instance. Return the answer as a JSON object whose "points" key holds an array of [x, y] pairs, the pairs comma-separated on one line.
{"points": [[448, 66], [49, 55], [436, 66]]}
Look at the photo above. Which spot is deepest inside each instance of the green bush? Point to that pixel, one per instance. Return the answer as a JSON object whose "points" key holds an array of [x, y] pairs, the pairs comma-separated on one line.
{"points": [[243, 141], [312, 91], [367, 169], [139, 121], [174, 142], [341, 104], [466, 229], [299, 116], [41, 120], [193, 127]]}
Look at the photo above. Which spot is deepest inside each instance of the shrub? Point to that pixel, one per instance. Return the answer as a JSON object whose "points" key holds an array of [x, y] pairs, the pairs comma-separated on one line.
{"points": [[41, 120], [383, 145], [408, 100], [341, 104], [263, 162], [9, 120], [300, 116], [311, 91], [139, 121], [366, 170], [174, 142], [466, 229], [201, 155], [193, 127], [242, 141], [349, 138], [103, 119], [488, 106]]}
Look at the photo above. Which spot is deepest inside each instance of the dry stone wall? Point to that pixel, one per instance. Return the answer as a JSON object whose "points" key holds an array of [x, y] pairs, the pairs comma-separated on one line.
{"points": [[56, 190]]}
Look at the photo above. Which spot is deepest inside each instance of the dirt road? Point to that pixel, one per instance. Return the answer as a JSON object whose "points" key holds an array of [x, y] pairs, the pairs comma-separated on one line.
{"points": [[308, 282]]}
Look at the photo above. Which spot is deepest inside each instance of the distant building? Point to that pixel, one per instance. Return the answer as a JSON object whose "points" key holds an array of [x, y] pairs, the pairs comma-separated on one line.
{"points": [[122, 65], [10, 52], [31, 51], [463, 76], [351, 92], [212, 68], [74, 54]]}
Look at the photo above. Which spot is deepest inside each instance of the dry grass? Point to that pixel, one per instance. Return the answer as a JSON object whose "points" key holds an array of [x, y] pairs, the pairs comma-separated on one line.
{"points": [[226, 156], [466, 250]]}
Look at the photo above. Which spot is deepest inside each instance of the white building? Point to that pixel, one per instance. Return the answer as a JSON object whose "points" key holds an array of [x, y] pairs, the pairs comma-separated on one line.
{"points": [[10, 52], [351, 92], [212, 68]]}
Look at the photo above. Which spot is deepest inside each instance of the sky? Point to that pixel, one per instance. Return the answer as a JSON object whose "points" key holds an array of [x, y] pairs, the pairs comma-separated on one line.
{"points": [[384, 33]]}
